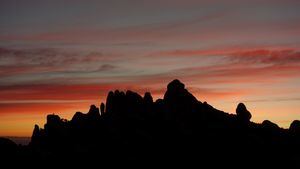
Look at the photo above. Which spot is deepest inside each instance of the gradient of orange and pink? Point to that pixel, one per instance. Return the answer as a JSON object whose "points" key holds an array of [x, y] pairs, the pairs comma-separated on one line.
{"points": [[61, 56]]}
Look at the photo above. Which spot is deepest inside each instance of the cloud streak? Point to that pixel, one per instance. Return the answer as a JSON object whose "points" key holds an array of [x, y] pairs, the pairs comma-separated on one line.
{"points": [[32, 61]]}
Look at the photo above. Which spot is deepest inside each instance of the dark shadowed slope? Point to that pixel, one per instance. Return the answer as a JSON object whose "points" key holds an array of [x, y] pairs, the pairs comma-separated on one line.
{"points": [[177, 129], [19, 140]]}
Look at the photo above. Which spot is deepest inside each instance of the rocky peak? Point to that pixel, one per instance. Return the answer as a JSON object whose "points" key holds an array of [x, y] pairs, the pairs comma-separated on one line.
{"points": [[295, 126], [94, 112], [175, 85], [102, 108], [53, 119], [267, 124], [176, 92], [242, 113], [148, 98]]}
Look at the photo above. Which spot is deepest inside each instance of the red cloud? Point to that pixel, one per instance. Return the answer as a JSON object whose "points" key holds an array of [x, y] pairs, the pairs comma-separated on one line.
{"points": [[30, 61], [236, 66], [265, 56]]}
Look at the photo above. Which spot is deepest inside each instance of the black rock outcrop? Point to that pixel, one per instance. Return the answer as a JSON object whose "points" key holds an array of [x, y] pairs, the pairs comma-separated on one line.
{"points": [[173, 130], [295, 126], [242, 113]]}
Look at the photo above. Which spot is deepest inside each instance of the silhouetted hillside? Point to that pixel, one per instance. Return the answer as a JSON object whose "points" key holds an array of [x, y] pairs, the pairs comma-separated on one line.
{"points": [[177, 129]]}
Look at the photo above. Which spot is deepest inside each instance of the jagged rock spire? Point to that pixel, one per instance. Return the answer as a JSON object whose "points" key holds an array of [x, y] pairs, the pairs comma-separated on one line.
{"points": [[109, 102], [36, 131], [242, 113], [35, 135], [93, 112], [102, 108], [148, 98]]}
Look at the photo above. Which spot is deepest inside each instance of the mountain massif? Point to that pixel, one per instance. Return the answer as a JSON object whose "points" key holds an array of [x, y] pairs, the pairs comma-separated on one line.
{"points": [[178, 129]]}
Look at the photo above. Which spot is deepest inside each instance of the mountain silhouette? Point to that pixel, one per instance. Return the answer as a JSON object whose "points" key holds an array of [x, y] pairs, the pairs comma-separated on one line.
{"points": [[178, 129]]}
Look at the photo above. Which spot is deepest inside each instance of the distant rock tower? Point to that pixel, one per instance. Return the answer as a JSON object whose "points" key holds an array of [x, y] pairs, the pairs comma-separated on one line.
{"points": [[295, 127], [242, 113], [93, 112], [102, 108]]}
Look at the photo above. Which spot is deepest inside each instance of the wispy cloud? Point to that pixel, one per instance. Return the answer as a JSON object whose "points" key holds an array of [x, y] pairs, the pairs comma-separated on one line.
{"points": [[273, 100], [234, 65], [265, 56], [54, 61]]}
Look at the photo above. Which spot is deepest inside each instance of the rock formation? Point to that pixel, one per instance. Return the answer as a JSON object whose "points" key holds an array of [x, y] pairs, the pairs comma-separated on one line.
{"points": [[177, 128], [242, 113]]}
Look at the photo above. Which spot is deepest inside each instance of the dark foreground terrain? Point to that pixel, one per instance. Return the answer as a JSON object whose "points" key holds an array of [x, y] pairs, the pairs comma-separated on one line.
{"points": [[177, 130]]}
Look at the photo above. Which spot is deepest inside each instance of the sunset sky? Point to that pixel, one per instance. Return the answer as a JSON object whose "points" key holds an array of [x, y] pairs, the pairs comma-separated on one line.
{"points": [[61, 56]]}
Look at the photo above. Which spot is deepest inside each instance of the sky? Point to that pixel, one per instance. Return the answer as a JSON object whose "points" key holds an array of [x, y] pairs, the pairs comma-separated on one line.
{"points": [[61, 56]]}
